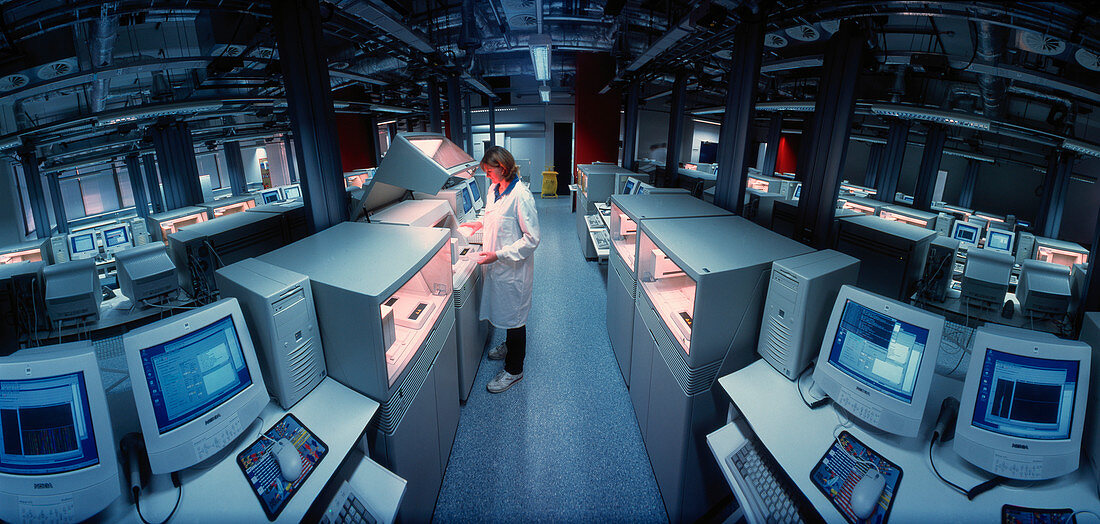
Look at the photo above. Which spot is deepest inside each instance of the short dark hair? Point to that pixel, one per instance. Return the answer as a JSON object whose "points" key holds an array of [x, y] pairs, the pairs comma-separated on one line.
{"points": [[497, 156]]}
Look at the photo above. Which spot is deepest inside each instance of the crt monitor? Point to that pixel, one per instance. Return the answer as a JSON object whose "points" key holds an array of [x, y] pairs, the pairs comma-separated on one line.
{"points": [[116, 237], [475, 192], [57, 450], [797, 192], [82, 245], [291, 192], [999, 240], [877, 359], [966, 233], [1022, 411], [628, 189], [202, 385], [269, 196], [467, 201]]}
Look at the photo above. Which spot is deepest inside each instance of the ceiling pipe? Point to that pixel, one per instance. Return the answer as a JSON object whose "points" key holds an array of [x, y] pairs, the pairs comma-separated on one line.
{"points": [[103, 50], [990, 43], [538, 15]]}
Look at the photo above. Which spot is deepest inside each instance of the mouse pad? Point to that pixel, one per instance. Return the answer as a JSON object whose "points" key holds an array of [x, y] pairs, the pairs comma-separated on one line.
{"points": [[263, 472], [838, 472]]}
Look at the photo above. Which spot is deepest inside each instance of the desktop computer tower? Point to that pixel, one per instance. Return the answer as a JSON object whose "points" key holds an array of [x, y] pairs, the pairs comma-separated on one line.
{"points": [[939, 268], [697, 317], [278, 304], [1025, 247], [21, 303], [891, 254], [384, 302], [800, 296], [1090, 334]]}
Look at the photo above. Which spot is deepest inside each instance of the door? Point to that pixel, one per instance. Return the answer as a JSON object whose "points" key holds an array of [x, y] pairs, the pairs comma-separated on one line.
{"points": [[563, 155], [530, 154]]}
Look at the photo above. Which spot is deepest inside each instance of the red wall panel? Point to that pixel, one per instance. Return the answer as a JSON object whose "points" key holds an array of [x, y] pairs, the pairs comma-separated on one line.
{"points": [[356, 142], [596, 116], [786, 159]]}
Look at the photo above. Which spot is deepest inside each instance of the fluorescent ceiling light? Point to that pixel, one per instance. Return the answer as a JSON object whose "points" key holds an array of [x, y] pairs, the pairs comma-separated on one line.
{"points": [[544, 93], [1078, 146], [540, 56], [971, 156], [931, 115], [807, 107], [382, 108], [868, 139]]}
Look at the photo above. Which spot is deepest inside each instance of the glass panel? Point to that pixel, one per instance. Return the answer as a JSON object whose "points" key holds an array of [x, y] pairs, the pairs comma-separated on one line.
{"points": [[100, 193], [26, 255], [1061, 256], [898, 217], [24, 200], [167, 227], [669, 288], [409, 314], [72, 198], [443, 151], [624, 235], [125, 190], [229, 209], [757, 184]]}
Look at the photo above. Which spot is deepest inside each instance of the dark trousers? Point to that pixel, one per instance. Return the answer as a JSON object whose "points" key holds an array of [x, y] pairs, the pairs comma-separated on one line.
{"points": [[516, 339]]}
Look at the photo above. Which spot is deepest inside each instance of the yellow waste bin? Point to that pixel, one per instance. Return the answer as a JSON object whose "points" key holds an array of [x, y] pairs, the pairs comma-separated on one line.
{"points": [[549, 184]]}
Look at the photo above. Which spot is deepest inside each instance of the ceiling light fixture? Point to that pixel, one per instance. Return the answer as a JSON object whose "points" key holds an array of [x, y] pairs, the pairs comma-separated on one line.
{"points": [[540, 56], [544, 93], [1078, 146], [931, 115]]}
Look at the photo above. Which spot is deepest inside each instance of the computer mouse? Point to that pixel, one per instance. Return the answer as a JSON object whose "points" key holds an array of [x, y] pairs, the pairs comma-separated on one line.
{"points": [[867, 492], [288, 458]]}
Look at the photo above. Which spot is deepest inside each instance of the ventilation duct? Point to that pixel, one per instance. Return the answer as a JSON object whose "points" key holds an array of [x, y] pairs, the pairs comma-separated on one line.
{"points": [[992, 86]]}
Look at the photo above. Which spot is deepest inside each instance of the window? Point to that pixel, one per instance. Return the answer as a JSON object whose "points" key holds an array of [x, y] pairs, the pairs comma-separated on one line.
{"points": [[24, 200], [94, 192]]}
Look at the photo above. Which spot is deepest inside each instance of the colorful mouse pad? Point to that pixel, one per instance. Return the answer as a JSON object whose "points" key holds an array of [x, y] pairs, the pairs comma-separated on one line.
{"points": [[263, 472], [838, 472]]}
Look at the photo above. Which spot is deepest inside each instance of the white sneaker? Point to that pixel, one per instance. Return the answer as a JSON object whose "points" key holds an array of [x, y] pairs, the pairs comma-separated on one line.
{"points": [[499, 352], [502, 381]]}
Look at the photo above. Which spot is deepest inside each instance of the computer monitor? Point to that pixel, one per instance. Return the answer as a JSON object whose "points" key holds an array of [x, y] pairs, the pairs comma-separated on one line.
{"points": [[202, 385], [291, 192], [877, 359], [966, 233], [999, 240], [1022, 410], [628, 189], [116, 237], [797, 192], [57, 450], [475, 192], [268, 196], [467, 202], [82, 245]]}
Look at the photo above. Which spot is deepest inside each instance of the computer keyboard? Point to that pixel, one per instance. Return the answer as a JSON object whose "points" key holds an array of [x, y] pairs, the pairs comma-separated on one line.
{"points": [[347, 507], [757, 474]]}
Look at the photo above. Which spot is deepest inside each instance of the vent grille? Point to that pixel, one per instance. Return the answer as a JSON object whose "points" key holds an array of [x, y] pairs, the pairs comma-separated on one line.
{"points": [[304, 366], [778, 340], [393, 410], [691, 381]]}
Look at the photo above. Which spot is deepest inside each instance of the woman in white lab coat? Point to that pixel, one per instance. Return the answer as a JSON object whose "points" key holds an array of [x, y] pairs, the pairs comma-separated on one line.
{"points": [[510, 235]]}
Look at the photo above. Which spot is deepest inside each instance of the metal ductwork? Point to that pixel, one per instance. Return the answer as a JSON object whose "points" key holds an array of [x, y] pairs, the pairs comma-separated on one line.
{"points": [[990, 43], [957, 92], [380, 17], [103, 50], [372, 66]]}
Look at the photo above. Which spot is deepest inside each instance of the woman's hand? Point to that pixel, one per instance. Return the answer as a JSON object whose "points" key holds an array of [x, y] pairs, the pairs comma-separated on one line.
{"points": [[485, 257], [472, 226]]}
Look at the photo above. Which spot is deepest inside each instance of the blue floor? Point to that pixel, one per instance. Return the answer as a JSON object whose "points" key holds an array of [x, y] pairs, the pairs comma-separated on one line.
{"points": [[562, 444]]}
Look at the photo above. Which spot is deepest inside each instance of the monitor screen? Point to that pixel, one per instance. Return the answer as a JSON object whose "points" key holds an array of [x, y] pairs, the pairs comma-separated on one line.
{"points": [[116, 236], [966, 233], [1026, 397], [82, 243], [999, 240], [46, 426], [194, 373], [467, 202], [292, 192], [629, 188], [474, 190], [270, 196], [797, 192], [878, 350]]}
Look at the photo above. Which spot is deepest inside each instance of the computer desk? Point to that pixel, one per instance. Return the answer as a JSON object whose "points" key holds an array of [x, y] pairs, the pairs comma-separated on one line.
{"points": [[798, 437], [333, 412]]}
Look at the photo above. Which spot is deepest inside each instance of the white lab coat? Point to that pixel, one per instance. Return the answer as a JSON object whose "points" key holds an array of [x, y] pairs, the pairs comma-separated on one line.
{"points": [[510, 228]]}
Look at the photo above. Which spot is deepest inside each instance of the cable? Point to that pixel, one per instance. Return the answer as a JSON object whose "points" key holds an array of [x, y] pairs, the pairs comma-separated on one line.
{"points": [[971, 493], [954, 486], [798, 385], [176, 481]]}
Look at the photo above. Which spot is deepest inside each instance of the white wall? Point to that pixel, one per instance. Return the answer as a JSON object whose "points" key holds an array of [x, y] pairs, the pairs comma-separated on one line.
{"points": [[277, 164], [542, 114], [701, 132], [251, 157]]}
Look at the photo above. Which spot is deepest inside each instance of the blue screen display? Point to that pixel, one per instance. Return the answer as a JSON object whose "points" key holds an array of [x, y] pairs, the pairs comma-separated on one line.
{"points": [[878, 350], [999, 241], [629, 187], [467, 202], [270, 196], [797, 192], [474, 190], [46, 426], [195, 373], [82, 243], [116, 236], [966, 233], [1026, 397]]}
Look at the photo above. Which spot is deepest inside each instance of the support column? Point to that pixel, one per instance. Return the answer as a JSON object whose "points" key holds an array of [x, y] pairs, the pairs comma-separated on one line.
{"points": [[234, 164], [970, 179], [435, 113], [297, 28], [733, 136], [59, 213], [179, 170], [137, 185], [1054, 194], [929, 167], [28, 159], [892, 156], [454, 110], [156, 198], [675, 129], [630, 128], [874, 165], [830, 129], [468, 120], [493, 123], [771, 152]]}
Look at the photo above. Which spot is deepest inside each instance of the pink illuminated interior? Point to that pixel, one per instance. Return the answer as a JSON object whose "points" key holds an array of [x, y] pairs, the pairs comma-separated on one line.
{"points": [[28, 255], [582, 179], [417, 306], [168, 227], [903, 219], [1060, 256], [859, 208], [669, 288], [624, 235], [234, 208], [355, 180], [444, 152], [757, 184]]}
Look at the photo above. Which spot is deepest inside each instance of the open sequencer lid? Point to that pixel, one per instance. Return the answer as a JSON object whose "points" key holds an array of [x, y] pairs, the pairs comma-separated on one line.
{"points": [[423, 162]]}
